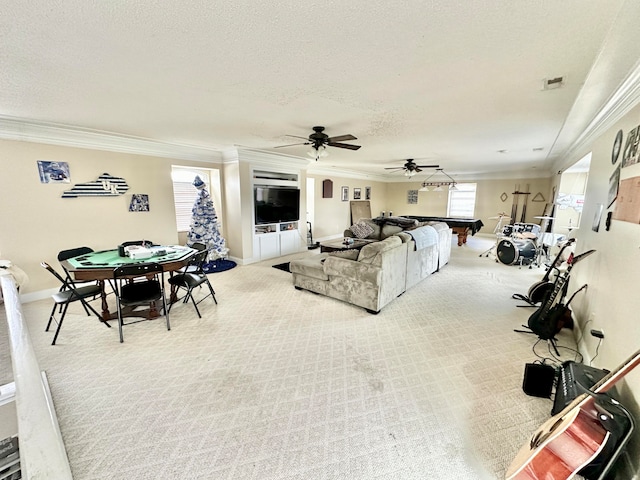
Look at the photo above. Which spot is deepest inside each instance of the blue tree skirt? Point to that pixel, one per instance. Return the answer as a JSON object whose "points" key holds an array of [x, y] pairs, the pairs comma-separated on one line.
{"points": [[218, 265]]}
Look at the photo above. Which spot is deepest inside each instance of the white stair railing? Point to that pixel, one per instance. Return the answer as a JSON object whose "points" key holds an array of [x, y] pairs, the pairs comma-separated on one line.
{"points": [[42, 451]]}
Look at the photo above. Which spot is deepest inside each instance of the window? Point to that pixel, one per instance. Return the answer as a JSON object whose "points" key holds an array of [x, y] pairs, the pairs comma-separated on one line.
{"points": [[185, 194], [462, 201]]}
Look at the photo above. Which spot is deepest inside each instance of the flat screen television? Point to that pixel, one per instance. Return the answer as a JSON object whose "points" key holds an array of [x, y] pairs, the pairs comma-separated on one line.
{"points": [[276, 204]]}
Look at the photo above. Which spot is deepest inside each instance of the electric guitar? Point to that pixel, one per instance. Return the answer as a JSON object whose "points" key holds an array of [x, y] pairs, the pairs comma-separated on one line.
{"points": [[540, 289], [548, 320], [581, 435]]}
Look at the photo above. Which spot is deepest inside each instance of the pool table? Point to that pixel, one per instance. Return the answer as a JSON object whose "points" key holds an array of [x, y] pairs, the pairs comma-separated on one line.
{"points": [[460, 226]]}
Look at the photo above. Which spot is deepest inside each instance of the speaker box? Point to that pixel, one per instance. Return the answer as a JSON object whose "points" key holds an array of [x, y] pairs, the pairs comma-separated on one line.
{"points": [[538, 380]]}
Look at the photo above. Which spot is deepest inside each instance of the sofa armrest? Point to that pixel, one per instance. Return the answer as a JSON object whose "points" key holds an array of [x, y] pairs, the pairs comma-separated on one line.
{"points": [[352, 269]]}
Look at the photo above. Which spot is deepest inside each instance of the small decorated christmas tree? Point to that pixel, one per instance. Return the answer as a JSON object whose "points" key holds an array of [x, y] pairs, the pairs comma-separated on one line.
{"points": [[204, 224]]}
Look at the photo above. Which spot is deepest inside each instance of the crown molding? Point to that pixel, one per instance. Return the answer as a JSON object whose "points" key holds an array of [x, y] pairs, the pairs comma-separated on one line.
{"points": [[619, 104], [265, 159], [23, 130]]}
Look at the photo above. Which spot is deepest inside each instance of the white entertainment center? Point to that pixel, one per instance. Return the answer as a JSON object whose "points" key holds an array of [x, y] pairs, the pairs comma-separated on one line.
{"points": [[279, 238]]}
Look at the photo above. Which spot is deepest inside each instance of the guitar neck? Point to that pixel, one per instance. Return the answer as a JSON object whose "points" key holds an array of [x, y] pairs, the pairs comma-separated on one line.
{"points": [[556, 260], [610, 380]]}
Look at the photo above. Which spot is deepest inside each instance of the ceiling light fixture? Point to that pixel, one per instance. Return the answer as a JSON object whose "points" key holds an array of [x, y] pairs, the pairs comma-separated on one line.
{"points": [[318, 151], [448, 181]]}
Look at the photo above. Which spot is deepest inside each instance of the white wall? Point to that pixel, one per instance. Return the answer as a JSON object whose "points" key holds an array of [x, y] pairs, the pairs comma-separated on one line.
{"points": [[36, 223], [611, 302]]}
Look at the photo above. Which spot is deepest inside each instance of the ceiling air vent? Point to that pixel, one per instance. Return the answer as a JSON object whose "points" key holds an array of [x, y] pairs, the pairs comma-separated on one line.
{"points": [[552, 83]]}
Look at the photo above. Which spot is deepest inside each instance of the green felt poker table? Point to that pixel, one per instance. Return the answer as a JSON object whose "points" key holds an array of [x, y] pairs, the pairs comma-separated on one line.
{"points": [[100, 265]]}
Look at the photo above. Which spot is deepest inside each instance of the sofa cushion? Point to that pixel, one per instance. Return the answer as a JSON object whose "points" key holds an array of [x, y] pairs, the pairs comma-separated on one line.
{"points": [[388, 230], [371, 253], [348, 254], [362, 229], [311, 267]]}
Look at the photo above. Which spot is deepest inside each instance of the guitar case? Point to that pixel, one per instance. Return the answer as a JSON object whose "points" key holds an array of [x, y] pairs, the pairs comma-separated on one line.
{"points": [[613, 419]]}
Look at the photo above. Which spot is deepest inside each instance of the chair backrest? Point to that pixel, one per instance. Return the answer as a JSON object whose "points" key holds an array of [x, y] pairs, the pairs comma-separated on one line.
{"points": [[54, 273], [198, 246], [198, 260], [137, 270], [73, 252]]}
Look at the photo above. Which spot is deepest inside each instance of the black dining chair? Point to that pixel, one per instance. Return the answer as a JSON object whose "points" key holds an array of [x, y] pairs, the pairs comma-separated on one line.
{"points": [[68, 294], [192, 268], [191, 279], [137, 285], [66, 255]]}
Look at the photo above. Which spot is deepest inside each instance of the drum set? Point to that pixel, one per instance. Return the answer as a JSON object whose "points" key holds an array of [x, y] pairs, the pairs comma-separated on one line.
{"points": [[519, 243]]}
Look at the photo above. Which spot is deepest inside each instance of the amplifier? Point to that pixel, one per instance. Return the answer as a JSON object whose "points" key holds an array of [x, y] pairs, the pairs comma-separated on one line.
{"points": [[571, 373]]}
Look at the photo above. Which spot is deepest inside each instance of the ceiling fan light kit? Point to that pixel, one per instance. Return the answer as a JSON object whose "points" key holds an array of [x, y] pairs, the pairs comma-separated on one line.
{"points": [[319, 142], [411, 168]]}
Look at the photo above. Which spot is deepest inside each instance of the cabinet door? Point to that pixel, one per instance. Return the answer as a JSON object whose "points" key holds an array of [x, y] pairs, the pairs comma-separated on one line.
{"points": [[269, 244], [289, 242]]}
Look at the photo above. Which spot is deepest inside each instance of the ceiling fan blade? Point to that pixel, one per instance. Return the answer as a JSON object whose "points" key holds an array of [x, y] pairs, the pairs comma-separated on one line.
{"points": [[343, 145], [297, 136], [417, 169], [394, 168], [428, 166], [293, 145], [341, 138]]}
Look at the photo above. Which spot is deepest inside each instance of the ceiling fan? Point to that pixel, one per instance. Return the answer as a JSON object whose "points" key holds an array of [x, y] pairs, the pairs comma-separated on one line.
{"points": [[411, 168], [319, 142]]}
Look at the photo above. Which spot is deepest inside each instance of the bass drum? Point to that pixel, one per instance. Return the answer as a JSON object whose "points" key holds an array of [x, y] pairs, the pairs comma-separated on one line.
{"points": [[510, 252], [539, 290]]}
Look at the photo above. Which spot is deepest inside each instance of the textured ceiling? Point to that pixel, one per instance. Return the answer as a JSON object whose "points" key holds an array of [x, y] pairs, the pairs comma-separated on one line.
{"points": [[449, 83]]}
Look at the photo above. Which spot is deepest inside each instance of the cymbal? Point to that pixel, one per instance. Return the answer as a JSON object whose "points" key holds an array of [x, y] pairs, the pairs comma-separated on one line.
{"points": [[546, 218]]}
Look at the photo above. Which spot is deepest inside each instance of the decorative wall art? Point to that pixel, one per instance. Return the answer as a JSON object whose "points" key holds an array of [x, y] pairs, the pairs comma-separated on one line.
{"points": [[628, 202], [345, 194], [139, 203], [327, 189], [412, 197], [53, 172], [356, 193], [105, 186], [597, 217], [630, 153], [367, 193], [617, 145], [614, 184]]}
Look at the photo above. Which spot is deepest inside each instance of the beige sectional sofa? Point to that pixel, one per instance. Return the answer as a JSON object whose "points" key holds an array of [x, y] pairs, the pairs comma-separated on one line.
{"points": [[382, 270]]}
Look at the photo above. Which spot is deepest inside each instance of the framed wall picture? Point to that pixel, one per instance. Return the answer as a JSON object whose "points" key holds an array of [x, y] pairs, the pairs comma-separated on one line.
{"points": [[139, 202], [614, 184], [53, 172], [597, 217], [412, 197], [345, 194], [357, 193], [367, 193]]}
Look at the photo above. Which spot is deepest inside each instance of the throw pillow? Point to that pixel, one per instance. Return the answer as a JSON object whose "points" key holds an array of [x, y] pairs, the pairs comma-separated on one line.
{"points": [[348, 254], [362, 230]]}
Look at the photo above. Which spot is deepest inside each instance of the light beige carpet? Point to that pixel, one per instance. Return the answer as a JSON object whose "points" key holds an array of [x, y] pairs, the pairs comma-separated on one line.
{"points": [[275, 383]]}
